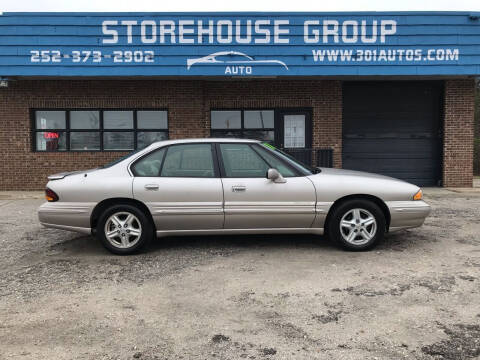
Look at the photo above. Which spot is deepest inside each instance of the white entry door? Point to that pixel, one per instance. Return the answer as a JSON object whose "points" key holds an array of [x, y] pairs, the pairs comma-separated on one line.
{"points": [[294, 131]]}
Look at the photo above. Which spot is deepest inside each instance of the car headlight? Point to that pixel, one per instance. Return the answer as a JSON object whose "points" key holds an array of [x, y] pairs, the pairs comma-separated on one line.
{"points": [[418, 195]]}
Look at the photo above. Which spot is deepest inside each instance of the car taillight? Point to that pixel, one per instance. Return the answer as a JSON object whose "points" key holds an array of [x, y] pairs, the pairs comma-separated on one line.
{"points": [[50, 195]]}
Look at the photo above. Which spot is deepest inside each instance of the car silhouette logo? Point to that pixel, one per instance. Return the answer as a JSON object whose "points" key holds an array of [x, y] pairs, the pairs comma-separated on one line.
{"points": [[247, 60]]}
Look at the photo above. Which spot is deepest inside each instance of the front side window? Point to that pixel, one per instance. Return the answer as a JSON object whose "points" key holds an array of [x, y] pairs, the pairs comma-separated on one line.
{"points": [[275, 162], [298, 165], [240, 160], [190, 160], [247, 124], [98, 130]]}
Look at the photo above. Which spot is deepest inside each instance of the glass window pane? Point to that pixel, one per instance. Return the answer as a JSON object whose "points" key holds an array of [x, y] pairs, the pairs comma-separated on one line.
{"points": [[84, 120], [118, 140], [118, 119], [274, 162], [294, 130], [50, 119], [51, 141], [193, 160], [152, 119], [226, 120], [84, 140], [150, 164], [267, 136], [258, 119], [239, 160], [145, 138]]}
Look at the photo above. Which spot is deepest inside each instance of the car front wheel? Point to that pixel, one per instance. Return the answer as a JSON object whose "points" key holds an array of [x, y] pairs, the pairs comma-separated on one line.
{"points": [[124, 229], [357, 225]]}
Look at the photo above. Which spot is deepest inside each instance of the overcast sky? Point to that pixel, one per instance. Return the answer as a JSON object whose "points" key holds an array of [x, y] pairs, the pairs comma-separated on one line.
{"points": [[239, 5]]}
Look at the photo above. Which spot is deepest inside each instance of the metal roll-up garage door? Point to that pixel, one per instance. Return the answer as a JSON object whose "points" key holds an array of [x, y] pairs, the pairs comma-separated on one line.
{"points": [[394, 128]]}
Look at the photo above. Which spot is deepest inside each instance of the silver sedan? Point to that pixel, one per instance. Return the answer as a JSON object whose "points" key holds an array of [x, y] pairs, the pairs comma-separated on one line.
{"points": [[226, 186]]}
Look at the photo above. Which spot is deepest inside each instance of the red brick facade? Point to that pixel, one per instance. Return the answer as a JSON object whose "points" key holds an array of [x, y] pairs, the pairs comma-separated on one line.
{"points": [[459, 110], [189, 103]]}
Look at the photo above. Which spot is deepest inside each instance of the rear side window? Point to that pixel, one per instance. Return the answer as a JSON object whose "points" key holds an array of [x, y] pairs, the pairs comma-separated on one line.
{"points": [[149, 165], [240, 160], [190, 160]]}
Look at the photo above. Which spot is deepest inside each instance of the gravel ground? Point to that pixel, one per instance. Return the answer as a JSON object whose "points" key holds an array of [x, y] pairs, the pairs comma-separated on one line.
{"points": [[416, 296]]}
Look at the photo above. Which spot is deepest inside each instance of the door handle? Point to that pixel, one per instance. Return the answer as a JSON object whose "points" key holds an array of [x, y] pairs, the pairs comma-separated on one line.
{"points": [[239, 188], [151, 186]]}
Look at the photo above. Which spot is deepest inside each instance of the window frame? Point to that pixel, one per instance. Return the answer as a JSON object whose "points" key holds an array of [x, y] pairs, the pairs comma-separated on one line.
{"points": [[252, 146], [101, 130], [216, 167], [242, 128]]}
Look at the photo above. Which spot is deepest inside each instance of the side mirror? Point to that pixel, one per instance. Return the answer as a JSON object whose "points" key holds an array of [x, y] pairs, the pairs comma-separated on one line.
{"points": [[275, 176]]}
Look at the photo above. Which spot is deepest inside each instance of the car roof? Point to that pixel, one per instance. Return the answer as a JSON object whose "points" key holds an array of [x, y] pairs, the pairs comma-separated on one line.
{"points": [[202, 140]]}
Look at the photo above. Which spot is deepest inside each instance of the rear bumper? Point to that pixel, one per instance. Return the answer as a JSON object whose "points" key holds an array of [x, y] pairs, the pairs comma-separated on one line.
{"points": [[66, 215], [407, 214], [69, 228]]}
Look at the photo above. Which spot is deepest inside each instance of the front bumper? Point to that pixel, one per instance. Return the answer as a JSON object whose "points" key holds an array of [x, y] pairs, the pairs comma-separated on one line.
{"points": [[407, 214]]}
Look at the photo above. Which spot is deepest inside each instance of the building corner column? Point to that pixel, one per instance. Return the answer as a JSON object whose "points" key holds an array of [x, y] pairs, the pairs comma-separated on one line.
{"points": [[458, 128]]}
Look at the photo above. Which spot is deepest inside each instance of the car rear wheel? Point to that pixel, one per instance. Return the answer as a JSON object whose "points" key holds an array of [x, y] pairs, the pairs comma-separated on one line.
{"points": [[124, 229], [357, 225]]}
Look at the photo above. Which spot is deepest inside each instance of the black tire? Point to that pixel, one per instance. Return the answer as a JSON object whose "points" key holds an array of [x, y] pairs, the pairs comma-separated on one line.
{"points": [[145, 223], [334, 231]]}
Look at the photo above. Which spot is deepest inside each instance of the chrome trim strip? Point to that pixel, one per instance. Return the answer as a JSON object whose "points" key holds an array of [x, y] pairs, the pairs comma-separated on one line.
{"points": [[269, 207], [323, 207], [187, 211], [186, 208], [65, 208], [411, 209], [262, 210], [270, 203], [64, 211]]}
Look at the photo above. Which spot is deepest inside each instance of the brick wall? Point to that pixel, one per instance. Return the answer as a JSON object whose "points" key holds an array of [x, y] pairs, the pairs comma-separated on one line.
{"points": [[324, 98], [188, 103], [458, 133]]}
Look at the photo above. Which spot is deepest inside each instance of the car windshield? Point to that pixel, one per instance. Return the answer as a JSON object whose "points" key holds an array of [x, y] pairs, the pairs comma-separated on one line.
{"points": [[304, 168], [115, 162]]}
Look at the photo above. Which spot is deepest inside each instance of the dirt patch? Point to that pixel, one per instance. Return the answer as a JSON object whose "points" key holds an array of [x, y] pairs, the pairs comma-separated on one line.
{"points": [[268, 351], [219, 338], [330, 316], [63, 296], [463, 343], [438, 284], [364, 290]]}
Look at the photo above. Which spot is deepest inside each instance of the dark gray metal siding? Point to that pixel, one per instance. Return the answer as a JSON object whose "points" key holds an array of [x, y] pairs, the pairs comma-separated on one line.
{"points": [[394, 128]]}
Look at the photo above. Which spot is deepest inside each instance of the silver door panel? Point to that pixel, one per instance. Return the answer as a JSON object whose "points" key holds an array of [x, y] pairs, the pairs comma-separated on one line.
{"points": [[262, 203], [182, 203]]}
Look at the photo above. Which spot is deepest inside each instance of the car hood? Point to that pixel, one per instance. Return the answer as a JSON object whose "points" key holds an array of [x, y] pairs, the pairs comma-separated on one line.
{"points": [[354, 173], [332, 184]]}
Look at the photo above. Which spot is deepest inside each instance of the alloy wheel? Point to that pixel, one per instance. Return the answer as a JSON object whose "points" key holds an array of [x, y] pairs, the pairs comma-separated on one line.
{"points": [[123, 230], [358, 226]]}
